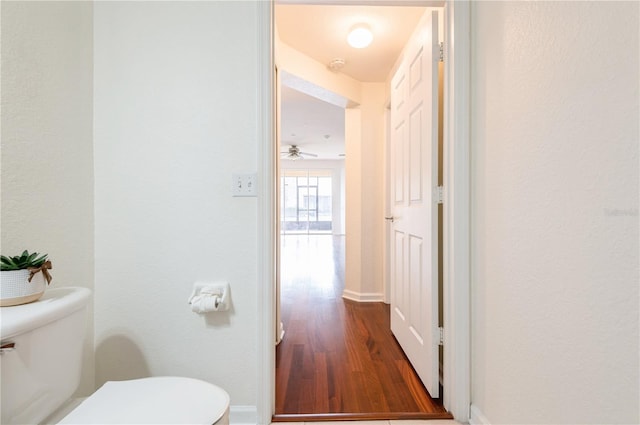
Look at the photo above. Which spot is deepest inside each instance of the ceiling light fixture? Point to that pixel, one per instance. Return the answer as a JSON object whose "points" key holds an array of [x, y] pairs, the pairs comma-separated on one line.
{"points": [[360, 36]]}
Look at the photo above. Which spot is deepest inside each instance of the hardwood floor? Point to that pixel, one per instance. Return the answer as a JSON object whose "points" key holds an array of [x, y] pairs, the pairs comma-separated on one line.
{"points": [[338, 358]]}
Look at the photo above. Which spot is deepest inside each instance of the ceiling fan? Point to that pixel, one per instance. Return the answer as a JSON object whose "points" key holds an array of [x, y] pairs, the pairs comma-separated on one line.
{"points": [[294, 153]]}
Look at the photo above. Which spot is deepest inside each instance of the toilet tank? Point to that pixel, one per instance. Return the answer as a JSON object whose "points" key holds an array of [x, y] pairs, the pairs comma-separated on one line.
{"points": [[42, 354]]}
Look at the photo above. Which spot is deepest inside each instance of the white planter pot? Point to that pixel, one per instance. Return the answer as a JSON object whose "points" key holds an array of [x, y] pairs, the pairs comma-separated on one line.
{"points": [[15, 288]]}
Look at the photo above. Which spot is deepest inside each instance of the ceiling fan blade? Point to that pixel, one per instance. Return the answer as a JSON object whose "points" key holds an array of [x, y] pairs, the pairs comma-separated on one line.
{"points": [[310, 154], [290, 155]]}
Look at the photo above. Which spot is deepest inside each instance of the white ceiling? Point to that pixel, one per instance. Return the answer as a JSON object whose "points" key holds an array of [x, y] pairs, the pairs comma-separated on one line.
{"points": [[312, 124], [320, 32]]}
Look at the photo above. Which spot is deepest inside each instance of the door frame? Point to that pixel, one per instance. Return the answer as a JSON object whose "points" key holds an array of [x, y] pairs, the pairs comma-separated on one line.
{"points": [[457, 308]]}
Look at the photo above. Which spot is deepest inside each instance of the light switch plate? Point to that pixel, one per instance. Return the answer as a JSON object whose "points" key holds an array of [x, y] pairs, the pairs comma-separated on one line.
{"points": [[244, 185]]}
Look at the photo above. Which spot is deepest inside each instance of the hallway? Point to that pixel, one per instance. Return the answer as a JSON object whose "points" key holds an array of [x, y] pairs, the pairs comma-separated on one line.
{"points": [[338, 358]]}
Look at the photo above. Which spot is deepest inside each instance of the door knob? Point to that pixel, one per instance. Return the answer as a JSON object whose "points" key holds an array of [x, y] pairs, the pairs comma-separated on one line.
{"points": [[391, 219]]}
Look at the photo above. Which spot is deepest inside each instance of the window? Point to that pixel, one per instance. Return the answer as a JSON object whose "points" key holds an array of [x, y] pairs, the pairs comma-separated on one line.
{"points": [[306, 203]]}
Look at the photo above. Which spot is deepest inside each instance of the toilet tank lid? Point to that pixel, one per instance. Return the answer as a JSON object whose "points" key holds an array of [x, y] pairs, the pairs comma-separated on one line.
{"points": [[158, 400], [55, 304]]}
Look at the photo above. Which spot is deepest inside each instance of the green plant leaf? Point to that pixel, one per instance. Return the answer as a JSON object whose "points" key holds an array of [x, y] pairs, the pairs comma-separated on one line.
{"points": [[39, 261], [8, 264], [23, 261]]}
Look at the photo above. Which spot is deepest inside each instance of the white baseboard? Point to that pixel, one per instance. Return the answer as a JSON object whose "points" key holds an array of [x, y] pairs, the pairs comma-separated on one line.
{"points": [[243, 415], [363, 297], [476, 417]]}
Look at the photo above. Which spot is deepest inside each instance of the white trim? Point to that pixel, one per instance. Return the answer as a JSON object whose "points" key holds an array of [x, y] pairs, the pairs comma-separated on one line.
{"points": [[243, 415], [477, 417], [363, 297], [267, 236], [456, 297]]}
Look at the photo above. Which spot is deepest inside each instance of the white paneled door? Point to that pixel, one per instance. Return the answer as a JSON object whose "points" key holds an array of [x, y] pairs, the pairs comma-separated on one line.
{"points": [[414, 180]]}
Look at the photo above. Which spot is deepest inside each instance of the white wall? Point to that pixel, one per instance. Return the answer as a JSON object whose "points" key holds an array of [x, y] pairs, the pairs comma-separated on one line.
{"points": [[47, 152], [364, 141], [175, 116], [370, 189], [353, 204], [555, 212]]}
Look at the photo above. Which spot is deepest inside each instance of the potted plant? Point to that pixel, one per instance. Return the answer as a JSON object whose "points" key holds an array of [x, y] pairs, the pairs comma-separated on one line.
{"points": [[23, 278]]}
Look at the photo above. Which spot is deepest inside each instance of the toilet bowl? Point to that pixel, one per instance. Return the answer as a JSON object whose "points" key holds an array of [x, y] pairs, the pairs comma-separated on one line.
{"points": [[41, 353]]}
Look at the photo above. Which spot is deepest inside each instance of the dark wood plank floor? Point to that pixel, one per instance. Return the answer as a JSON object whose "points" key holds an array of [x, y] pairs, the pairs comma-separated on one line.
{"points": [[338, 358]]}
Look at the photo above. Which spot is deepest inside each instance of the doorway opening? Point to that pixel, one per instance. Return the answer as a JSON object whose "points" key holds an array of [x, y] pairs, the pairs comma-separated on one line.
{"points": [[309, 326], [457, 356]]}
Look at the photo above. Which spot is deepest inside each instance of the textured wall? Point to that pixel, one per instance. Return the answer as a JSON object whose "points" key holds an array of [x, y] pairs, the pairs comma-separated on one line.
{"points": [[47, 151], [555, 212], [175, 116]]}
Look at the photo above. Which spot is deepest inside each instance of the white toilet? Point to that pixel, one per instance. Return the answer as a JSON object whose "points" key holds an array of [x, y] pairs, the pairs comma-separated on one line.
{"points": [[41, 357]]}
